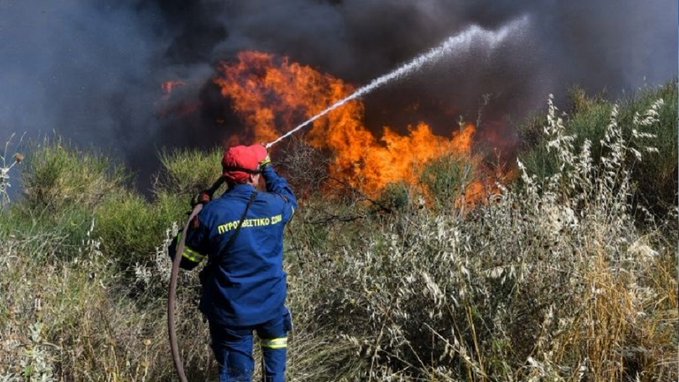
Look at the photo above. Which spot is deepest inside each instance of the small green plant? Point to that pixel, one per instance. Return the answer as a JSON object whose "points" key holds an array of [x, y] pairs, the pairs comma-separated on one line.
{"points": [[129, 228], [187, 172], [58, 176], [396, 197], [447, 178]]}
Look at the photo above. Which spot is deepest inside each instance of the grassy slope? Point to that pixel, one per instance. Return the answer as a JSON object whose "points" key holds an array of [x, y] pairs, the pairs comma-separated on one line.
{"points": [[557, 277]]}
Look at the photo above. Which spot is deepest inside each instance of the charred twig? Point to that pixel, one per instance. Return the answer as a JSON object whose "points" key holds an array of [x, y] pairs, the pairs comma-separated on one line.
{"points": [[479, 114], [332, 218], [362, 195]]}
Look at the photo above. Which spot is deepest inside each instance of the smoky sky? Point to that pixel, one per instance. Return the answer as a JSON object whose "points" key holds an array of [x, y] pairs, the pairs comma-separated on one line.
{"points": [[91, 71]]}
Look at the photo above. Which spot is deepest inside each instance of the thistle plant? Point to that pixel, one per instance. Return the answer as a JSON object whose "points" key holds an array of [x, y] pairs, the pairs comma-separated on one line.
{"points": [[5, 167]]}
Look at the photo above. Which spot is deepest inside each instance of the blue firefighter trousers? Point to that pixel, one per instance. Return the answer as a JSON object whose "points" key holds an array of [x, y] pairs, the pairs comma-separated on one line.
{"points": [[233, 347]]}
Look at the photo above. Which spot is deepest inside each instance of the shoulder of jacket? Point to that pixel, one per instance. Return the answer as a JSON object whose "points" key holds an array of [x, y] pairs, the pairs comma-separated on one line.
{"points": [[272, 197], [219, 206]]}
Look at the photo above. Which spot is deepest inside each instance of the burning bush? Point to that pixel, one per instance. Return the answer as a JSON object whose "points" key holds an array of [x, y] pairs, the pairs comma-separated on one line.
{"points": [[271, 94]]}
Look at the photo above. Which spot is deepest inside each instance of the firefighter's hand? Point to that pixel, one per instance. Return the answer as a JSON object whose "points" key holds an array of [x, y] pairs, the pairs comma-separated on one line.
{"points": [[202, 197], [265, 163], [267, 159]]}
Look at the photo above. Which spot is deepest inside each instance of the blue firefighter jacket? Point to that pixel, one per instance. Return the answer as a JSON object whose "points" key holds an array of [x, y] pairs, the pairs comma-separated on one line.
{"points": [[244, 282]]}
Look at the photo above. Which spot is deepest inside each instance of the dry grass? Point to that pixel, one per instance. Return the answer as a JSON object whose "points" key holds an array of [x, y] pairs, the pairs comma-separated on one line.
{"points": [[553, 279]]}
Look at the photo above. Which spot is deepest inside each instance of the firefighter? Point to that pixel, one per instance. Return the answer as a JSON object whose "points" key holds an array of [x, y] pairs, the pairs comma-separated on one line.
{"points": [[243, 283]]}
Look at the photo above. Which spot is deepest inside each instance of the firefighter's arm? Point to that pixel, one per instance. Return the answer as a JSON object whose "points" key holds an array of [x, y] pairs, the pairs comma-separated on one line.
{"points": [[278, 185], [193, 246]]}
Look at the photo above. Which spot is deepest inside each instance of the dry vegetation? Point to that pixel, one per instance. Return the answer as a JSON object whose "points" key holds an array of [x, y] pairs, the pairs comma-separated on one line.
{"points": [[568, 274]]}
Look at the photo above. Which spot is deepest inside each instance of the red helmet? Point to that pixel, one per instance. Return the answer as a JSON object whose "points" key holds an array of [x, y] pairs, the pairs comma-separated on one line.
{"points": [[240, 162]]}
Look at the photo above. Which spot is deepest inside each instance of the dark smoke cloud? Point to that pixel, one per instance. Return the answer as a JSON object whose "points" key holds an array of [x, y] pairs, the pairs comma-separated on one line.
{"points": [[91, 71]]}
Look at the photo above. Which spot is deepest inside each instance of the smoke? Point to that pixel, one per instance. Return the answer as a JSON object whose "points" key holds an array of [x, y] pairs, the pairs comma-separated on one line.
{"points": [[92, 72]]}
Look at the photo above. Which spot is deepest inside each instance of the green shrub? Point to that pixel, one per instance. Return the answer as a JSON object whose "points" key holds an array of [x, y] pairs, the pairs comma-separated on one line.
{"points": [[186, 172], [67, 191], [130, 228], [588, 120], [58, 176], [655, 177], [66, 229], [396, 197], [447, 178]]}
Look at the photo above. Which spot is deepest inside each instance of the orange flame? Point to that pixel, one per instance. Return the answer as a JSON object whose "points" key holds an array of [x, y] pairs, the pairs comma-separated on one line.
{"points": [[273, 95], [169, 86], [172, 106]]}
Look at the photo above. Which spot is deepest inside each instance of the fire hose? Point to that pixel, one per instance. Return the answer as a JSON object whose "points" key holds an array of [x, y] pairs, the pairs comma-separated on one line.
{"points": [[172, 297]]}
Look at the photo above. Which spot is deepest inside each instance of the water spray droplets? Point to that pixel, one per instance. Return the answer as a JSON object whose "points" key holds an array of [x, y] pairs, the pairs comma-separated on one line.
{"points": [[453, 45]]}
